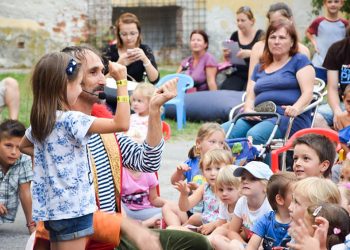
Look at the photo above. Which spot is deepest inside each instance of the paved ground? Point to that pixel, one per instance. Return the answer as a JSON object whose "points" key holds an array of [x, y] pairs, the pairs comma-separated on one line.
{"points": [[14, 236]]}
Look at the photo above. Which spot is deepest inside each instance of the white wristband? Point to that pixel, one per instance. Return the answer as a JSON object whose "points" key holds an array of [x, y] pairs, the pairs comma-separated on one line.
{"points": [[147, 64]]}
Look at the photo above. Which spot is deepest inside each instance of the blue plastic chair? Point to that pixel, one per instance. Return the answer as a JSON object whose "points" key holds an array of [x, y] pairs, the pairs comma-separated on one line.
{"points": [[185, 82]]}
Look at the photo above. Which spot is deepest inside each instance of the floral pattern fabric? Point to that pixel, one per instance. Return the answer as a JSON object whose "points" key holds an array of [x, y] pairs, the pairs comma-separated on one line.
{"points": [[63, 186]]}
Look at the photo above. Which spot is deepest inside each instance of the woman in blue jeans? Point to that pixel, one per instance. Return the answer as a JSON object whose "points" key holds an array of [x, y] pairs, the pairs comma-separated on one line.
{"points": [[284, 77]]}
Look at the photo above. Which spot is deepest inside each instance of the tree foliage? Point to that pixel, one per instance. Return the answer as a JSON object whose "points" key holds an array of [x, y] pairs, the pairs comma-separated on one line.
{"points": [[317, 6]]}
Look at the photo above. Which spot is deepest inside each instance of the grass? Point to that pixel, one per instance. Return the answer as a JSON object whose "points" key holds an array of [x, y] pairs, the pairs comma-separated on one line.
{"points": [[187, 133], [26, 96]]}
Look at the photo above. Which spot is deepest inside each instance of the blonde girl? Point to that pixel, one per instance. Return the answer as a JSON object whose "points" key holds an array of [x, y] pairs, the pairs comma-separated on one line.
{"points": [[140, 105], [228, 191], [311, 191], [206, 221], [210, 136], [324, 226], [63, 191]]}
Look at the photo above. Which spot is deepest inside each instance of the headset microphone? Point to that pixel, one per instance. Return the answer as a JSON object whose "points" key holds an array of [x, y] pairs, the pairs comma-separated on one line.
{"points": [[100, 95]]}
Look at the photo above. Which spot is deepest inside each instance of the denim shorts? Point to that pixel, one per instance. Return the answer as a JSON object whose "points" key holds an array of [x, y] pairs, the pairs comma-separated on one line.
{"points": [[70, 229]]}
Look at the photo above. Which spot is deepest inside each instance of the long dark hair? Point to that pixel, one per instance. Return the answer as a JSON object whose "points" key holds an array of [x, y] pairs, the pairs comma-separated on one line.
{"points": [[267, 57], [49, 85]]}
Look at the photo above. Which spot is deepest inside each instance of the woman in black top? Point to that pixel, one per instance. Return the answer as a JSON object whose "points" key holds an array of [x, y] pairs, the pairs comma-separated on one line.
{"points": [[137, 57], [246, 36]]}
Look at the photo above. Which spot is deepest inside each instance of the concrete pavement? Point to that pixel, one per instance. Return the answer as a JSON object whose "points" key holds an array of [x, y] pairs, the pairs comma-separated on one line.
{"points": [[14, 236]]}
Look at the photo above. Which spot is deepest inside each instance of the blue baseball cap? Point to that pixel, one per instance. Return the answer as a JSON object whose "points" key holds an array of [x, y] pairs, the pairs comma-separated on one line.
{"points": [[258, 169]]}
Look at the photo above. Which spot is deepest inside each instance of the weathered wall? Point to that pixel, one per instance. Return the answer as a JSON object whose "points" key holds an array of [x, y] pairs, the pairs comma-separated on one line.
{"points": [[65, 22], [42, 25], [21, 42]]}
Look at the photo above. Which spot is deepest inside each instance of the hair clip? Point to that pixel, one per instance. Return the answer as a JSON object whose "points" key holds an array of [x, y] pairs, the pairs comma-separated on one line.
{"points": [[71, 67], [336, 231], [316, 211]]}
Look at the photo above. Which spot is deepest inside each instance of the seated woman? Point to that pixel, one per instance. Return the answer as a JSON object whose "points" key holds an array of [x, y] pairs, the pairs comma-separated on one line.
{"points": [[285, 77], [129, 51], [201, 65], [246, 36]]}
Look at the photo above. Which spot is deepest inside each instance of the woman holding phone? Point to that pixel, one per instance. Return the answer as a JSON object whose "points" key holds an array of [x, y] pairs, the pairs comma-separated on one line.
{"points": [[246, 36], [129, 51]]}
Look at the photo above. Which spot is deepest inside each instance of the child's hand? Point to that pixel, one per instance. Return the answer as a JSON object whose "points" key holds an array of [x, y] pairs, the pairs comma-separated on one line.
{"points": [[117, 71], [3, 209], [193, 185], [182, 187], [303, 240], [183, 168], [206, 228]]}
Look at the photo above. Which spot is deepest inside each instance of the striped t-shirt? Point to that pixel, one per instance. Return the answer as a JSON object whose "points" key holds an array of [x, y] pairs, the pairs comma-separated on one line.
{"points": [[140, 157]]}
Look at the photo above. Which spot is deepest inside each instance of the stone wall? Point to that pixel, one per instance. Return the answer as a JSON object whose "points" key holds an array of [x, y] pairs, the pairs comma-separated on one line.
{"points": [[28, 29]]}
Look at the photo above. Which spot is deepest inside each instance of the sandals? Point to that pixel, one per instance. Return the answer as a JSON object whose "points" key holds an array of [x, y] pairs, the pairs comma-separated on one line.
{"points": [[267, 106]]}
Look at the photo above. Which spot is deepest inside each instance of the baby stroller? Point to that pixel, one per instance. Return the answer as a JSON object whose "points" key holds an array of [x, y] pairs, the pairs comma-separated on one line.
{"points": [[243, 149], [271, 144]]}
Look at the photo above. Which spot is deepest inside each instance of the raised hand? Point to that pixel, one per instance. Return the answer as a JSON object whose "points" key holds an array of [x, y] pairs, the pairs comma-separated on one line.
{"points": [[182, 187], [117, 71], [165, 93]]}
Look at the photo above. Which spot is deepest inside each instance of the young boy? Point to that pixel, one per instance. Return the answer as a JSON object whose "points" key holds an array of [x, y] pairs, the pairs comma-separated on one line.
{"points": [[324, 31], [272, 228], [15, 175], [314, 155]]}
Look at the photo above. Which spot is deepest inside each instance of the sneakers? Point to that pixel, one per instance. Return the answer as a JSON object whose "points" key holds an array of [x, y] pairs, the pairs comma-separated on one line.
{"points": [[267, 106]]}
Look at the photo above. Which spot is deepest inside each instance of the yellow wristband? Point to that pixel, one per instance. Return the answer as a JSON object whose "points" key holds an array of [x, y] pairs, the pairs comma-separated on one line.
{"points": [[123, 82], [123, 98]]}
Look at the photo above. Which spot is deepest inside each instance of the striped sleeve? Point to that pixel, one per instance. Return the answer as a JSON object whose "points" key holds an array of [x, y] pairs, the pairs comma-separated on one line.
{"points": [[140, 157]]}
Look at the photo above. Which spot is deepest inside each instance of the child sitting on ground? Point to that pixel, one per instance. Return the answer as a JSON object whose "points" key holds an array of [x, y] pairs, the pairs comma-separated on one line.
{"points": [[15, 174], [324, 225], [271, 229], [250, 206], [311, 191], [140, 200], [206, 221], [210, 136], [313, 155], [140, 105], [228, 191]]}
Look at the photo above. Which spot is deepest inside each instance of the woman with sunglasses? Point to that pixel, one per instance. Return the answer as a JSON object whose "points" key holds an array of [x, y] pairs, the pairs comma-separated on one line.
{"points": [[246, 36], [130, 52]]}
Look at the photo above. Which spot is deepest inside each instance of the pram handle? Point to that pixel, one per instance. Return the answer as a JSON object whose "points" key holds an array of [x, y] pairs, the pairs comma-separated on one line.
{"points": [[265, 114]]}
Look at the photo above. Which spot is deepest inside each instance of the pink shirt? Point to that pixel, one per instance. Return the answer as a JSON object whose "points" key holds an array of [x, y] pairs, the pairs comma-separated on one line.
{"points": [[135, 191], [198, 73]]}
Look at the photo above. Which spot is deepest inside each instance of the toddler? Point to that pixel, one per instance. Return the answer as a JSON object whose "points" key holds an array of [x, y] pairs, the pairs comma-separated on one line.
{"points": [[140, 105], [228, 190], [210, 165], [210, 136], [140, 199]]}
